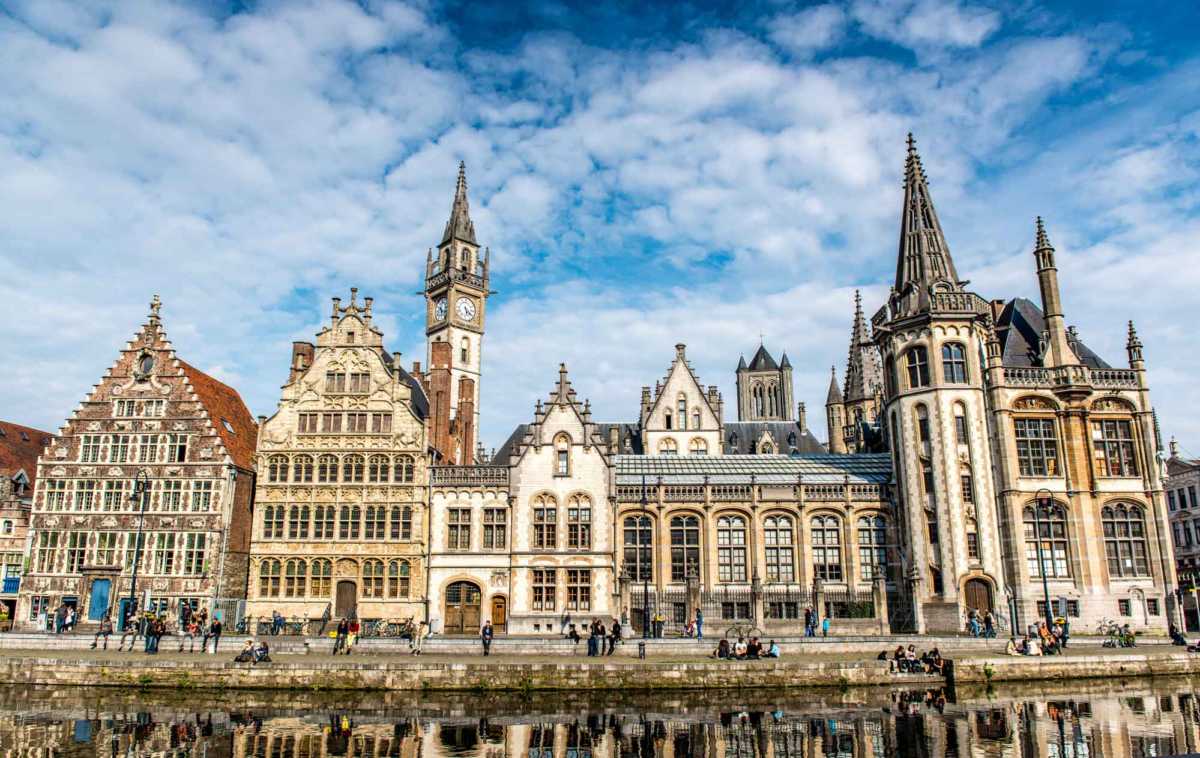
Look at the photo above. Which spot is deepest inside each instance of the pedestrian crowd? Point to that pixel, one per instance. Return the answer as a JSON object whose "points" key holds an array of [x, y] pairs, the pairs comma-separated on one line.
{"points": [[1041, 639], [601, 640], [981, 624], [151, 627], [744, 649], [906, 660]]}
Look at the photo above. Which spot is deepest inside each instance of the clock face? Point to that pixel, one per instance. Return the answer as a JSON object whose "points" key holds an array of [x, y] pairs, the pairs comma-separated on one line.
{"points": [[439, 309], [465, 308]]}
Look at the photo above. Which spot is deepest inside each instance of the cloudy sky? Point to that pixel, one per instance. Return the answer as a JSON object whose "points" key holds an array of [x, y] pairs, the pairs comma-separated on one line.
{"points": [[643, 175]]}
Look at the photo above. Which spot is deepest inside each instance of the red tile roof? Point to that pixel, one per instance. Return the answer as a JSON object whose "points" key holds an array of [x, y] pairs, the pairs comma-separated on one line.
{"points": [[20, 447], [233, 422]]}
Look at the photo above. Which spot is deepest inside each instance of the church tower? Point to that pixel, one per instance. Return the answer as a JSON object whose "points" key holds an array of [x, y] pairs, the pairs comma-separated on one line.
{"points": [[764, 388], [456, 291], [864, 383]]}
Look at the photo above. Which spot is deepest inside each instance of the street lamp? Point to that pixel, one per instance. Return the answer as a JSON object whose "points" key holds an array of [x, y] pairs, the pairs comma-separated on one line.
{"points": [[140, 498], [1047, 503]]}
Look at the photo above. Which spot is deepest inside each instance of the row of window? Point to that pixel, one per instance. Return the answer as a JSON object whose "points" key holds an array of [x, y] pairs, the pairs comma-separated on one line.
{"points": [[166, 495], [1186, 533], [354, 383], [134, 408], [668, 446], [162, 553], [576, 584], [300, 578], [1125, 549], [329, 522], [347, 469], [133, 448], [917, 368], [779, 547], [337, 422], [678, 419], [1178, 498]]}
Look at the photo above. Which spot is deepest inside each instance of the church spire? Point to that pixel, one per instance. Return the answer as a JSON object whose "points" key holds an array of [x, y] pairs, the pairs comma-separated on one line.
{"points": [[460, 226], [862, 367], [924, 257], [835, 392]]}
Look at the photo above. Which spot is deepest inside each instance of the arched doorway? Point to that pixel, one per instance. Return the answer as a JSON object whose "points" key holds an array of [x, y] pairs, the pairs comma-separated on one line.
{"points": [[462, 608], [978, 595]]}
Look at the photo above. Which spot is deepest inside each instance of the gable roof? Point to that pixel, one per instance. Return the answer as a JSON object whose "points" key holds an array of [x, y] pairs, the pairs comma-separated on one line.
{"points": [[20, 447], [230, 417], [762, 361], [1020, 329]]}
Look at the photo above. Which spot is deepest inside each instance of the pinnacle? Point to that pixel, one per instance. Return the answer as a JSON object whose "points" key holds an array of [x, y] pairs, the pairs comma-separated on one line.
{"points": [[1043, 240], [459, 226]]}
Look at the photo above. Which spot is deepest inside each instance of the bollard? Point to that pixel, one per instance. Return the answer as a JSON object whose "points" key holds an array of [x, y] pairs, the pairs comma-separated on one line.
{"points": [[642, 650]]}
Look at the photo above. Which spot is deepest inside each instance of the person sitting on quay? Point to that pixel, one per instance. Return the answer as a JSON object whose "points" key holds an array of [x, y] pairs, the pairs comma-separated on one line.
{"points": [[261, 652], [739, 648], [213, 632], [1033, 645], [247, 654], [340, 636], [911, 661], [722, 651], [614, 636], [753, 649], [104, 631], [934, 663], [772, 650], [1012, 648], [573, 636], [189, 631], [1176, 637]]}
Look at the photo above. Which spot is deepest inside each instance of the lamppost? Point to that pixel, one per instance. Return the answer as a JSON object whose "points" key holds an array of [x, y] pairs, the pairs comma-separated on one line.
{"points": [[642, 568], [140, 498], [1047, 503]]}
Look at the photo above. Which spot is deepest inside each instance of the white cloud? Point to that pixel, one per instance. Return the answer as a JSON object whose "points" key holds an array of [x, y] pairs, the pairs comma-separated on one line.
{"points": [[926, 23], [809, 31]]}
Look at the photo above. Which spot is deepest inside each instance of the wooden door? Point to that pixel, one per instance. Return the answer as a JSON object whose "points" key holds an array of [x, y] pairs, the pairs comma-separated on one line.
{"points": [[978, 595], [347, 599], [499, 613], [462, 608]]}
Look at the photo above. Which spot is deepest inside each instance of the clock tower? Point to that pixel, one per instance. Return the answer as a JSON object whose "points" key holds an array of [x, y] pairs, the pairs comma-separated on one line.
{"points": [[456, 291]]}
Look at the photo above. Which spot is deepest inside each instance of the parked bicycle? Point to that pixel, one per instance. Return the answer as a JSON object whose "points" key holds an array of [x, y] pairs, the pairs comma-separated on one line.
{"points": [[403, 628], [745, 631]]}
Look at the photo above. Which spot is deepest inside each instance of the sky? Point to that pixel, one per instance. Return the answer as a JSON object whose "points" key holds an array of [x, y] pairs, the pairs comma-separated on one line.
{"points": [[644, 174]]}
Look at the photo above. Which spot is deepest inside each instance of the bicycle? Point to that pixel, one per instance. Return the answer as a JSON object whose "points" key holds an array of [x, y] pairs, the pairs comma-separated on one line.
{"points": [[745, 631]]}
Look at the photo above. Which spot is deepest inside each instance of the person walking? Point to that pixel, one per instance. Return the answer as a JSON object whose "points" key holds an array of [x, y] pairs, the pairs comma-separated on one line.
{"points": [[989, 625], [104, 631], [699, 624], [352, 638], [339, 640], [591, 639], [485, 636], [213, 633], [810, 622], [614, 637], [418, 638], [825, 627]]}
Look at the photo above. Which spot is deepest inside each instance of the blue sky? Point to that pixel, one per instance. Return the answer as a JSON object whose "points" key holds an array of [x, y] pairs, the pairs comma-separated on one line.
{"points": [[644, 175]]}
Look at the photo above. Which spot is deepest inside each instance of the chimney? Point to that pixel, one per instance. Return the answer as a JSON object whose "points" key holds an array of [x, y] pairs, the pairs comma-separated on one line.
{"points": [[396, 360], [802, 418], [261, 420]]}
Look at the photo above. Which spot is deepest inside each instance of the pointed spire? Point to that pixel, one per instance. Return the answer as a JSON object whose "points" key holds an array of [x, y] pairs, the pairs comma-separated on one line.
{"points": [[924, 257], [1043, 241], [863, 370], [741, 363], [1133, 346], [460, 226], [784, 362], [835, 392]]}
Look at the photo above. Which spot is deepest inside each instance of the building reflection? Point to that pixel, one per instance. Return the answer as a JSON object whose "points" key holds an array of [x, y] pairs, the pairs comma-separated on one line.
{"points": [[1133, 722]]}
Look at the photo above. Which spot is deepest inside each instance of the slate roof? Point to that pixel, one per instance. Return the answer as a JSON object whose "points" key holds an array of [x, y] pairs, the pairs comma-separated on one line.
{"points": [[20, 447], [742, 436], [224, 404], [629, 432], [1020, 328], [419, 400], [762, 361], [766, 469]]}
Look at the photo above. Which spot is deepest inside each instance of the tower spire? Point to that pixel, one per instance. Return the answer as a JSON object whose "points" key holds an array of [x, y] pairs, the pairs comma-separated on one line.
{"points": [[863, 371], [835, 392], [1058, 346], [460, 226], [924, 257]]}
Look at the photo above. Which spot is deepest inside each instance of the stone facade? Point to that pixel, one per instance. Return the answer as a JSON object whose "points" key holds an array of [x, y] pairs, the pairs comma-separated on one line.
{"points": [[193, 440], [339, 524], [1182, 485], [20, 447]]}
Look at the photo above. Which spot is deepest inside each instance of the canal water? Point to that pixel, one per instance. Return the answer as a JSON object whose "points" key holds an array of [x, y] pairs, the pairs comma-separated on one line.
{"points": [[1114, 718]]}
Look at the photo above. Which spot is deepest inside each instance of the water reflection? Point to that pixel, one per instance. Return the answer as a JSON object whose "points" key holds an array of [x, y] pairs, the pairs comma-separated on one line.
{"points": [[1129, 718]]}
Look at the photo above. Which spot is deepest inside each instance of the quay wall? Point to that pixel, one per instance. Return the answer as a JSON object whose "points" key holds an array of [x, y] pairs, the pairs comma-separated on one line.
{"points": [[988, 669]]}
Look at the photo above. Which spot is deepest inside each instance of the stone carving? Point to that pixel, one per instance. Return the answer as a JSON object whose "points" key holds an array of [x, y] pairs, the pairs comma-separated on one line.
{"points": [[1033, 403]]}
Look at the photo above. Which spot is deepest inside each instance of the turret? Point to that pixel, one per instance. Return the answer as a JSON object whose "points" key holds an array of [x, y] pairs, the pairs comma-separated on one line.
{"points": [[1058, 350]]}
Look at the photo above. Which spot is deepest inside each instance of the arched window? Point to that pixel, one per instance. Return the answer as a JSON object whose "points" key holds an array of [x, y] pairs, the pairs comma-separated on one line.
{"points": [[1051, 530], [562, 455], [463, 258], [954, 363], [397, 579], [756, 401], [681, 408], [404, 469], [668, 446], [277, 468], [322, 578], [295, 578], [352, 468], [272, 522], [298, 522], [917, 361], [579, 523], [779, 539], [377, 468], [400, 523], [372, 578], [327, 466], [961, 434], [766, 448], [889, 376], [1125, 540], [923, 425], [685, 547], [695, 419], [827, 548], [349, 521], [698, 447], [639, 548], [464, 351], [376, 523], [731, 549], [323, 522], [268, 578], [545, 522], [966, 483], [872, 547], [302, 468]]}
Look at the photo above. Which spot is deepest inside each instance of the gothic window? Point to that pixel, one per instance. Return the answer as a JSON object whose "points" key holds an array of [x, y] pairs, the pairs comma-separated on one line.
{"points": [[695, 419], [932, 532], [277, 467], [398, 579], [668, 446], [579, 523], [377, 468], [923, 425], [872, 547], [495, 528], [967, 483], [827, 548], [1037, 446], [372, 578], [681, 407], [1125, 540], [917, 361], [889, 376], [685, 547], [349, 522], [1049, 529], [194, 544], [698, 447], [298, 522], [458, 529], [1112, 444], [404, 469], [954, 363], [731, 549], [779, 538], [295, 578], [272, 522], [323, 522], [766, 448], [327, 466], [960, 424], [545, 523], [376, 523], [562, 455], [639, 548], [322, 578], [302, 468], [268, 578], [756, 401], [352, 468]]}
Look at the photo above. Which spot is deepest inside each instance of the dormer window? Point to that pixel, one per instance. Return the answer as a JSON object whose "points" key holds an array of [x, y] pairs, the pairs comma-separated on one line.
{"points": [[228, 426], [349, 336]]}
